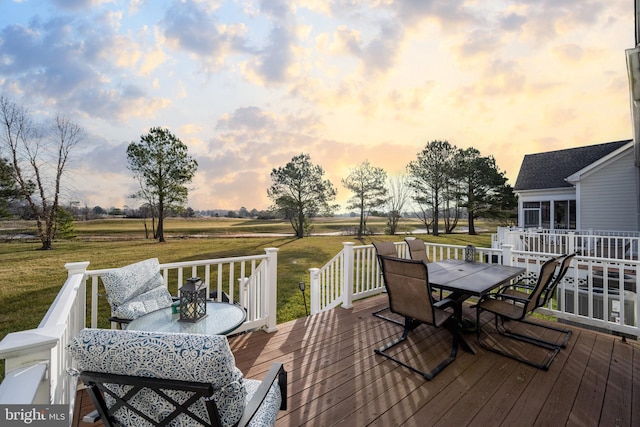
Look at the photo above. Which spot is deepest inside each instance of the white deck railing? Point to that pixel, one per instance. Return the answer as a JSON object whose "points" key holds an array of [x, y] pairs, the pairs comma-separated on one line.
{"points": [[595, 243], [250, 279], [589, 295], [354, 273], [36, 362]]}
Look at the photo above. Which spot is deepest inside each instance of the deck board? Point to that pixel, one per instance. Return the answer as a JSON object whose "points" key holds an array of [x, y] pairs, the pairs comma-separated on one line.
{"points": [[336, 379], [589, 400], [617, 401]]}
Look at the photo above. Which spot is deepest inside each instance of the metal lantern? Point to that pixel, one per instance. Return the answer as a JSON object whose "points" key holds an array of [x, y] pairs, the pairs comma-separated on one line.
{"points": [[470, 253], [193, 300]]}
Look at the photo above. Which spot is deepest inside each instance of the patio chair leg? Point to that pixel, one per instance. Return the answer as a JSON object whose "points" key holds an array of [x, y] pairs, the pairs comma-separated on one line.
{"points": [[538, 341], [388, 319], [410, 325], [554, 350], [567, 333]]}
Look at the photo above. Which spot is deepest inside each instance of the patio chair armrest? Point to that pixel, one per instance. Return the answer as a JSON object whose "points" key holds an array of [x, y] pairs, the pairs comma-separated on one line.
{"points": [[510, 297], [521, 285], [276, 372], [444, 303], [120, 321]]}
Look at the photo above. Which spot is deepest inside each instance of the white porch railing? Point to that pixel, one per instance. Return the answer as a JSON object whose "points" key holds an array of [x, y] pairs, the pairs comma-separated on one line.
{"points": [[591, 294], [250, 279], [600, 244], [36, 362], [354, 273]]}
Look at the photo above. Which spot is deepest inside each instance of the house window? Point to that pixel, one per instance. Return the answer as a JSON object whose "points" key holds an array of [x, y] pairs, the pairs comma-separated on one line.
{"points": [[539, 214], [531, 214], [564, 214], [545, 215]]}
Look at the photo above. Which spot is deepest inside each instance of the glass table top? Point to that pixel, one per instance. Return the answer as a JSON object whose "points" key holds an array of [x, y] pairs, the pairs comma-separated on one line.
{"points": [[221, 319]]}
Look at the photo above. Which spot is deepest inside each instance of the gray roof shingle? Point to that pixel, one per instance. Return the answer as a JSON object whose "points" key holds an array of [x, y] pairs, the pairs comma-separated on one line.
{"points": [[550, 169]]}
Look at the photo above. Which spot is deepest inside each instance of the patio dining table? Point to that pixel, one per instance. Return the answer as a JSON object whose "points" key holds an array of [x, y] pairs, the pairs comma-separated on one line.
{"points": [[466, 279]]}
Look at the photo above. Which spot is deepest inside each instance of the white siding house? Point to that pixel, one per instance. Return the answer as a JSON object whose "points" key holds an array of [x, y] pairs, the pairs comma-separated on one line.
{"points": [[593, 187], [605, 193]]}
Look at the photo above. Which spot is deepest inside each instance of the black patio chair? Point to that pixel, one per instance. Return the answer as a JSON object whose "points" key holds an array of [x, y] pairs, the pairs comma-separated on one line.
{"points": [[510, 305], [385, 249], [147, 378], [410, 296], [418, 250], [545, 297]]}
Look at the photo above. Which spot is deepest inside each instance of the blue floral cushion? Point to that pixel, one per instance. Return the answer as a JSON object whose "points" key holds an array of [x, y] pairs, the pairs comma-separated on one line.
{"points": [[136, 289], [177, 356], [267, 413]]}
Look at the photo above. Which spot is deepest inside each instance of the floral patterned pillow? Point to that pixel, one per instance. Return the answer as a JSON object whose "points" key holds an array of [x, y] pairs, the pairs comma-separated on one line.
{"points": [[136, 289], [177, 356]]}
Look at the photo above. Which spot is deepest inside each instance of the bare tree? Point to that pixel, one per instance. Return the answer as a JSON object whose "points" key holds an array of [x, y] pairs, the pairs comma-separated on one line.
{"points": [[399, 194], [38, 156], [425, 215]]}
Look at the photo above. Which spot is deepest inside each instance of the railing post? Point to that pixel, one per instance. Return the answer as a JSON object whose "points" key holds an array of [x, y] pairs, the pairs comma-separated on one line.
{"points": [[272, 289], [81, 268], [314, 291], [571, 242], [347, 275], [76, 267], [507, 255], [243, 287]]}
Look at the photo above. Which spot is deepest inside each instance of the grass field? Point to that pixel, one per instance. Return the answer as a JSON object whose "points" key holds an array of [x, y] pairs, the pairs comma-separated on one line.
{"points": [[30, 278]]}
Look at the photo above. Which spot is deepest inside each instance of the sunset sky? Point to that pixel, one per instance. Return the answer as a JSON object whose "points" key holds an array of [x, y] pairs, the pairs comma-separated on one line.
{"points": [[249, 84]]}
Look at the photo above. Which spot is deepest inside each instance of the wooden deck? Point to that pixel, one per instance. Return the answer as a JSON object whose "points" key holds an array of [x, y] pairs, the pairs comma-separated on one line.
{"points": [[336, 379]]}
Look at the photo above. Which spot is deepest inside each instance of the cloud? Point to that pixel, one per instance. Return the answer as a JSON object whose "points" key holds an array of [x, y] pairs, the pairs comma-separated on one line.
{"points": [[103, 156], [75, 5], [248, 144], [247, 119], [407, 102], [345, 40], [547, 19], [379, 54], [274, 61], [249, 84], [449, 14], [480, 42], [193, 26], [251, 141], [74, 64], [278, 9], [512, 22]]}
